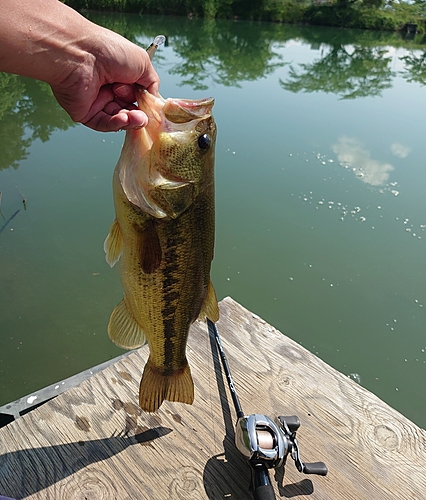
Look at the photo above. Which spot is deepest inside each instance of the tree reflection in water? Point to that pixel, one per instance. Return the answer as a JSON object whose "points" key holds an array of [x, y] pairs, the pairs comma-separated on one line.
{"points": [[348, 71], [351, 64], [415, 67], [28, 111]]}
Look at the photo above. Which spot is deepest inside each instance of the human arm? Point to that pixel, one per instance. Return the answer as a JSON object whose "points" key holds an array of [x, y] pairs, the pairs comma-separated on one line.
{"points": [[91, 70]]}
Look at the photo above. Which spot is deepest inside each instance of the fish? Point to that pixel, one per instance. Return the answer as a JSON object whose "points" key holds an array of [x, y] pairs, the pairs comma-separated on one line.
{"points": [[163, 233]]}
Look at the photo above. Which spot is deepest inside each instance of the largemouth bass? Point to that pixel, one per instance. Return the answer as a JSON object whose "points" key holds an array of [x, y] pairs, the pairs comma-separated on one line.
{"points": [[164, 233]]}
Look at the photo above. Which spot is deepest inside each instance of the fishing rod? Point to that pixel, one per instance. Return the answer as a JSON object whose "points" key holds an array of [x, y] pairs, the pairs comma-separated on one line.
{"points": [[264, 443]]}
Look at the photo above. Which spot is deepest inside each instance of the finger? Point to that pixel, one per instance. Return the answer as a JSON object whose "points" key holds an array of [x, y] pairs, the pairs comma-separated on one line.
{"points": [[123, 120], [124, 104], [107, 105], [137, 119], [112, 108], [148, 76], [154, 88], [104, 97], [124, 92]]}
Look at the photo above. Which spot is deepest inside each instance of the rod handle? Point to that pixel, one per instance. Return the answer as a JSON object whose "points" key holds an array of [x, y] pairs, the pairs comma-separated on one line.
{"points": [[265, 492], [261, 484]]}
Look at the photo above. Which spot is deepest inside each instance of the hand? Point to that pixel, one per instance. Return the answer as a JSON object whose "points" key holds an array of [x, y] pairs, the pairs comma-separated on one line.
{"points": [[90, 69], [99, 93]]}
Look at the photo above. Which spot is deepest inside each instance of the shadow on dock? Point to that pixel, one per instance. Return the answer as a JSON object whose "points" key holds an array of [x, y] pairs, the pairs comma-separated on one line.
{"points": [[61, 461]]}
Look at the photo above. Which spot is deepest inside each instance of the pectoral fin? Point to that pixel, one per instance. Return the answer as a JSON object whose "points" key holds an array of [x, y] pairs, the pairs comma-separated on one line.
{"points": [[113, 244], [123, 329], [210, 308]]}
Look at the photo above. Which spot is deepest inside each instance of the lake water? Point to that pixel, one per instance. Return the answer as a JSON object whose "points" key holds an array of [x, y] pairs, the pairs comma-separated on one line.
{"points": [[321, 209]]}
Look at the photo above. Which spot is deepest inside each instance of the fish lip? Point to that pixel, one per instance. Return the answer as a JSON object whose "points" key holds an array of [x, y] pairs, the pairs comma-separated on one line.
{"points": [[172, 112]]}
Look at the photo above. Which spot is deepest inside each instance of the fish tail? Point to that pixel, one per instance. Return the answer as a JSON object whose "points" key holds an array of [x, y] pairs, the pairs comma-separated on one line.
{"points": [[156, 387]]}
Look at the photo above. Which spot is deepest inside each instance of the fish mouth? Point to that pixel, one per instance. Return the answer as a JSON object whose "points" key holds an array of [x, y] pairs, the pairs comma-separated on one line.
{"points": [[170, 115]]}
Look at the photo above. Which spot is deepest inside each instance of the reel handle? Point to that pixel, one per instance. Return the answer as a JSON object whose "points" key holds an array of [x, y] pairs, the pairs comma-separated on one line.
{"points": [[293, 422], [261, 484], [318, 468]]}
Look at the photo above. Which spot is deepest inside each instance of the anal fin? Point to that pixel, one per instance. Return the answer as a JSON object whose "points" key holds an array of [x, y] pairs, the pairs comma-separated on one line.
{"points": [[155, 387], [123, 329], [210, 308]]}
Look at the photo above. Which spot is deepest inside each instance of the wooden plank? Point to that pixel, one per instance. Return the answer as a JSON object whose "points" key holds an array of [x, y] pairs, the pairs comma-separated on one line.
{"points": [[93, 442], [25, 404]]}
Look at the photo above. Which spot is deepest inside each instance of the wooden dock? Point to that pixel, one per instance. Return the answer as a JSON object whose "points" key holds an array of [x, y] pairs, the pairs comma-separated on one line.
{"points": [[93, 442]]}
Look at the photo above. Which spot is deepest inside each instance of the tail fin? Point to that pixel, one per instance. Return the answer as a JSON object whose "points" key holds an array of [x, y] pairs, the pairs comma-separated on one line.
{"points": [[156, 387]]}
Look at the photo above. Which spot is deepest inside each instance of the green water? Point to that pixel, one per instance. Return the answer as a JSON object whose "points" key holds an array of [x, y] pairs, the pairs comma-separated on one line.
{"points": [[321, 213]]}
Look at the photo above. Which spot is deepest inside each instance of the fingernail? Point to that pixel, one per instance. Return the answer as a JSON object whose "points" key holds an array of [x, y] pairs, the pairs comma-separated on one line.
{"points": [[122, 89]]}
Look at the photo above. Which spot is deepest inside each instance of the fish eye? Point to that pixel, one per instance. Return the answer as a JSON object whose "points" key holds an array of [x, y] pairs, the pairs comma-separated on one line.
{"points": [[204, 142]]}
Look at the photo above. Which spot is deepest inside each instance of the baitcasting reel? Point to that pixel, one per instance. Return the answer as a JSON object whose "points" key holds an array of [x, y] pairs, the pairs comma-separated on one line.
{"points": [[264, 443]]}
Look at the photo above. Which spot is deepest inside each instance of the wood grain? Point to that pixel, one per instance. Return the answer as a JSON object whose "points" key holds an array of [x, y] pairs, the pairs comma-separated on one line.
{"points": [[93, 442]]}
